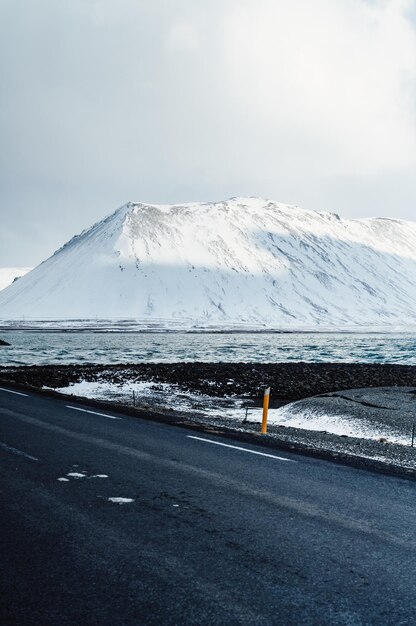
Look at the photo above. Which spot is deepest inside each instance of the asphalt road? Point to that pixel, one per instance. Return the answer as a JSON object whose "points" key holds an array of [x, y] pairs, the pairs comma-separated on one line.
{"points": [[213, 534]]}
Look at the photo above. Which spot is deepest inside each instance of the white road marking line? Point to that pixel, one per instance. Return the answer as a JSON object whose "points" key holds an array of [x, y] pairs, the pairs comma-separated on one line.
{"points": [[226, 445], [76, 408], [4, 446], [17, 393]]}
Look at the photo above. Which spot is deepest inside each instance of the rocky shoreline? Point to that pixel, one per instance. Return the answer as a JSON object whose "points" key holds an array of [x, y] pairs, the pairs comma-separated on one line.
{"points": [[288, 381]]}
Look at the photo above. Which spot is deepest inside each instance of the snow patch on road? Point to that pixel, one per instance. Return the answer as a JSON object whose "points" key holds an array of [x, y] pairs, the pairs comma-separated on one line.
{"points": [[78, 475]]}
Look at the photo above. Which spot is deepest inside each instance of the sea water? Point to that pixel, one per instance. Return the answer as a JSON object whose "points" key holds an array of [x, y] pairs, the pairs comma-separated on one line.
{"points": [[42, 348]]}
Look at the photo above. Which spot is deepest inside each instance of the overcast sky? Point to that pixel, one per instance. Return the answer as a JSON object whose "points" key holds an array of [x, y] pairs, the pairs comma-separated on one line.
{"points": [[310, 102]]}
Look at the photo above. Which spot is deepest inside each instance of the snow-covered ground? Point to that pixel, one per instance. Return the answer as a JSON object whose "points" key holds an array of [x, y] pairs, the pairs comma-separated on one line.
{"points": [[162, 396], [8, 275], [158, 396], [243, 263], [344, 425]]}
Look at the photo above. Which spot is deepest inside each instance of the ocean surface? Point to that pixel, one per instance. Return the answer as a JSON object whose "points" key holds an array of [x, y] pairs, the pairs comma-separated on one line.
{"points": [[41, 348]]}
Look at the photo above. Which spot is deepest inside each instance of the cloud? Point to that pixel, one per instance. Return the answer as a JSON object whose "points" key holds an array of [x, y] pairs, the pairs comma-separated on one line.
{"points": [[341, 75], [322, 86], [306, 101], [183, 35]]}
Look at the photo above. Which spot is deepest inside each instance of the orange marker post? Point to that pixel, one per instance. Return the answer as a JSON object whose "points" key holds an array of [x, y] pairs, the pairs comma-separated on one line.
{"points": [[265, 410]]}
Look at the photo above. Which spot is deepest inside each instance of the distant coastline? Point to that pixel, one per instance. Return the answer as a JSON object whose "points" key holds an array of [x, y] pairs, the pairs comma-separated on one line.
{"points": [[184, 326]]}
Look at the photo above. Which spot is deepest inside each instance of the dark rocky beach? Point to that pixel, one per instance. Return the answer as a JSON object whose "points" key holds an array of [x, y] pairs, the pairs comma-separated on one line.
{"points": [[288, 381]]}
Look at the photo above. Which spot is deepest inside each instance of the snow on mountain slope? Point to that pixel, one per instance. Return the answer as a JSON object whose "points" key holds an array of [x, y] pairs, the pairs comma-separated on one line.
{"points": [[244, 262], [8, 275]]}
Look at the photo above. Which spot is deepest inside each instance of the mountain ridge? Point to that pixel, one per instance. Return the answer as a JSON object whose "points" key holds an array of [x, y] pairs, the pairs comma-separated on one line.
{"points": [[243, 261]]}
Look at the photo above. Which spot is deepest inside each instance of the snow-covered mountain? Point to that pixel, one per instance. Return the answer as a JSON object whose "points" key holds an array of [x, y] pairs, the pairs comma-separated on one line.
{"points": [[9, 274], [245, 262]]}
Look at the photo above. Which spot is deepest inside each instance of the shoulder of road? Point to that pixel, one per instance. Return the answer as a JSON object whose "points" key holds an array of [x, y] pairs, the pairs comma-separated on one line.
{"points": [[372, 455]]}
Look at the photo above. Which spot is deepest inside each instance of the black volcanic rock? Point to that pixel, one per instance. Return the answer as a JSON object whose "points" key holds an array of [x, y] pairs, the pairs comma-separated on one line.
{"points": [[4, 343], [288, 381]]}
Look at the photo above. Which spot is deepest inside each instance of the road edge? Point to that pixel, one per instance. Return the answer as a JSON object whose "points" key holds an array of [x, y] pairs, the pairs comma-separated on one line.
{"points": [[269, 441]]}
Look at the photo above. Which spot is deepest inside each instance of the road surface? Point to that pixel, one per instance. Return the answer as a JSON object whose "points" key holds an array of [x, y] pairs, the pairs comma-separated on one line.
{"points": [[109, 519]]}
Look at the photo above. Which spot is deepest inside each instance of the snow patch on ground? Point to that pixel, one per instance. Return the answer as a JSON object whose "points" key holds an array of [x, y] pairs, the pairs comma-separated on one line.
{"points": [[165, 396], [158, 396], [121, 500], [335, 424]]}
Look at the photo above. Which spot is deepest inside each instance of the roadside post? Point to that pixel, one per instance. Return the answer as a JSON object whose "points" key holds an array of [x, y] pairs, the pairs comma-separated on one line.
{"points": [[265, 410], [413, 434], [248, 408]]}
